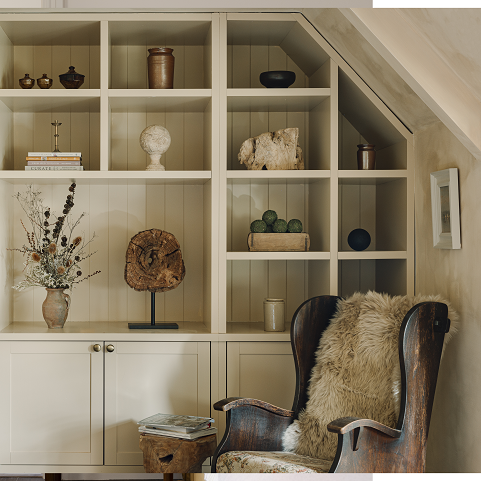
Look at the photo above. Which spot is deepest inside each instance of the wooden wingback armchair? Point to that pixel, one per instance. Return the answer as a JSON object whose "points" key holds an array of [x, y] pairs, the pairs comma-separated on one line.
{"points": [[253, 439]]}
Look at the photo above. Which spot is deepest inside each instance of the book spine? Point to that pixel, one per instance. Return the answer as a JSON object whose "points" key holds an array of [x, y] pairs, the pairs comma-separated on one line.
{"points": [[54, 162], [54, 154], [54, 167], [55, 159]]}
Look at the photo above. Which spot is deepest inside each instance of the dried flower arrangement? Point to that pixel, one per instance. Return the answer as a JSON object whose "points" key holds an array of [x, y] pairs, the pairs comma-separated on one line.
{"points": [[53, 253]]}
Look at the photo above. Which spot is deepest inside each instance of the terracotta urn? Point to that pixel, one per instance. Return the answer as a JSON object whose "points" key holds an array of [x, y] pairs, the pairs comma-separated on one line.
{"points": [[55, 308], [161, 68], [366, 157]]}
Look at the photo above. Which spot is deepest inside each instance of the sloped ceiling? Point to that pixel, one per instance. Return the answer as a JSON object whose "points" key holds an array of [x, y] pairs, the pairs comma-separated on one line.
{"points": [[424, 64]]}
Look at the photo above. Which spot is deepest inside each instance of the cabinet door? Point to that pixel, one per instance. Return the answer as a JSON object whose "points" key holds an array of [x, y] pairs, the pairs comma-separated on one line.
{"points": [[145, 378], [261, 370], [51, 403]]}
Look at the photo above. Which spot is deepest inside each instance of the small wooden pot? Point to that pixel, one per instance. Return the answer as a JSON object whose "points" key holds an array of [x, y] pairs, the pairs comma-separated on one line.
{"points": [[161, 68]]}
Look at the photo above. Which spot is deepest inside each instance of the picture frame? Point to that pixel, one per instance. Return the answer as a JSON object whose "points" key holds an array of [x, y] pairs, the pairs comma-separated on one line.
{"points": [[445, 209]]}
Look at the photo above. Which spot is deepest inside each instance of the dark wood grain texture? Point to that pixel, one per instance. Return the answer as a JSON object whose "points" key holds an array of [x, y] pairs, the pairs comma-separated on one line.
{"points": [[173, 455], [364, 445]]}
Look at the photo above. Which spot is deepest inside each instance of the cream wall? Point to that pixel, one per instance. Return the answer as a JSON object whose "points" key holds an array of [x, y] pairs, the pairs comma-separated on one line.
{"points": [[454, 436]]}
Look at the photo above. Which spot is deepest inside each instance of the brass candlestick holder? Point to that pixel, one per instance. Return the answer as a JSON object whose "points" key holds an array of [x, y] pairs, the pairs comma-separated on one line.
{"points": [[56, 125]]}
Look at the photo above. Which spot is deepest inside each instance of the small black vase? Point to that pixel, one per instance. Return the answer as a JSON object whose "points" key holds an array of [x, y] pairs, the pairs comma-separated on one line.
{"points": [[359, 239]]}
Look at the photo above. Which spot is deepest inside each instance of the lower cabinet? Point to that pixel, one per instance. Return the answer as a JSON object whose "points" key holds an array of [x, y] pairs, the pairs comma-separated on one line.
{"points": [[52, 405], [261, 370]]}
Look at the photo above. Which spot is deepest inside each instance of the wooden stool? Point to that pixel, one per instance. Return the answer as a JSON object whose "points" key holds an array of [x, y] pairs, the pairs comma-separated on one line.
{"points": [[174, 455]]}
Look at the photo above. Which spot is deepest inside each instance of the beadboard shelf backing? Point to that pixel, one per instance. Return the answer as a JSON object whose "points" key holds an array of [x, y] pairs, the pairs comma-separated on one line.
{"points": [[189, 128], [249, 282], [379, 209], [309, 203], [272, 44], [382, 275], [116, 213], [189, 36]]}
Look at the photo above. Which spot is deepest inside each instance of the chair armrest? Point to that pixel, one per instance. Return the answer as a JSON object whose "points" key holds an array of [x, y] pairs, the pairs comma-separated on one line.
{"points": [[251, 425], [366, 446], [345, 425], [234, 402]]}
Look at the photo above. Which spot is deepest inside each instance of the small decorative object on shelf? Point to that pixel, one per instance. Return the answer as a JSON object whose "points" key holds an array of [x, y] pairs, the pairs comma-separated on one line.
{"points": [[155, 140], [271, 234], [274, 315], [53, 254], [154, 263], [277, 150], [277, 79], [56, 124], [44, 82], [359, 239], [26, 82], [54, 161], [366, 157], [161, 68], [72, 79]]}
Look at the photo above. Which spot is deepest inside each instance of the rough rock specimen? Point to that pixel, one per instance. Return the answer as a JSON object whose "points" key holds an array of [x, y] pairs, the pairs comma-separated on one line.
{"points": [[277, 150], [154, 262]]}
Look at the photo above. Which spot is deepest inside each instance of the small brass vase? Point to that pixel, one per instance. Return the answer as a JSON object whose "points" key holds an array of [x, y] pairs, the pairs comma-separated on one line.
{"points": [[26, 82], [44, 82], [366, 157]]}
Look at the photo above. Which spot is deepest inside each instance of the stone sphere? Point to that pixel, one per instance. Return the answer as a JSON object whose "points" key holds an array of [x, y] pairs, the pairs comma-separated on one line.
{"points": [[155, 139], [359, 239]]}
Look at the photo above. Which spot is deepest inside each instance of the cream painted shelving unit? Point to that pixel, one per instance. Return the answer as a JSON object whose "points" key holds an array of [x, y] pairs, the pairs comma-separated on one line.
{"points": [[205, 198]]}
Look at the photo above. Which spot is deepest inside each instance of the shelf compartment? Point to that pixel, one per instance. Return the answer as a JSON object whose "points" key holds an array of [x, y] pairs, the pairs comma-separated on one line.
{"points": [[26, 126], [50, 46], [190, 36], [188, 118], [378, 205], [250, 281], [247, 200], [249, 116], [272, 42], [116, 213], [362, 122], [381, 275]]}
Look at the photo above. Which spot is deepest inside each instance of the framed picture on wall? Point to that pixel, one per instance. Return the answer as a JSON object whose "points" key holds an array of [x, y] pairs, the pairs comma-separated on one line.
{"points": [[445, 209]]}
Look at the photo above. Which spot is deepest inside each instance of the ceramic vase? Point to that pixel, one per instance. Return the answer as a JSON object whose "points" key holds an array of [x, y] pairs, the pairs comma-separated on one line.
{"points": [[161, 68], [366, 157], [26, 82], [55, 308], [274, 315], [44, 82]]}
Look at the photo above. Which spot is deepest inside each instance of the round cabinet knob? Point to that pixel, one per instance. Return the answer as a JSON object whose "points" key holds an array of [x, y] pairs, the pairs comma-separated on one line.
{"points": [[110, 348], [97, 347]]}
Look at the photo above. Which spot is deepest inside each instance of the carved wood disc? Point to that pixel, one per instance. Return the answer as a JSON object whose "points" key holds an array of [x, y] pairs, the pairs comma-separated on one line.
{"points": [[154, 262]]}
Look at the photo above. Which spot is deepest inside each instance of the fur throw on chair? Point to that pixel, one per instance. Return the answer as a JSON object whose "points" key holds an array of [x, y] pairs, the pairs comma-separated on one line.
{"points": [[357, 371]]}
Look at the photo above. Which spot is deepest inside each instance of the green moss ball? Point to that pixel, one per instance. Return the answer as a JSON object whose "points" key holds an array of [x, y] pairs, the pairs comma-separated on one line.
{"points": [[294, 225], [269, 217], [258, 226], [279, 226]]}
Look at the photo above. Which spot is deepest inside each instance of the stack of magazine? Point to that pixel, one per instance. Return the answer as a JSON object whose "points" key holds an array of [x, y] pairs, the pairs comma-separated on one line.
{"points": [[176, 426], [54, 161]]}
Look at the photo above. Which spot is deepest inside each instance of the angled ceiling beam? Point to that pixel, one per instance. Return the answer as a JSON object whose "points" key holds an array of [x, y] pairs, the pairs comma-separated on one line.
{"points": [[423, 70]]}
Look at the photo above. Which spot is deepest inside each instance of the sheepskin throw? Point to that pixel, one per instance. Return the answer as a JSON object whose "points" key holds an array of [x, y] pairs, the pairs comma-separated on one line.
{"points": [[357, 370]]}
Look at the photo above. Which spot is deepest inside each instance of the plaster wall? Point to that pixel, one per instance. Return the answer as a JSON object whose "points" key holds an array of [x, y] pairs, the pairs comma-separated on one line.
{"points": [[453, 444]]}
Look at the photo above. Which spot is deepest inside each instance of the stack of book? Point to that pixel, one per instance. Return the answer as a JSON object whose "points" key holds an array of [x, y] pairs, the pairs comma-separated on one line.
{"points": [[54, 161], [171, 425]]}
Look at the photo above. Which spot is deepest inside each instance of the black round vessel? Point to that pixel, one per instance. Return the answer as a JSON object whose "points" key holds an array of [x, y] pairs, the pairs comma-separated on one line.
{"points": [[359, 239], [277, 79]]}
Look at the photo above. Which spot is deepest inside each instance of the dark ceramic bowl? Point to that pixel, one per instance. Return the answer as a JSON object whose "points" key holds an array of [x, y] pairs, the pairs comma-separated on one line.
{"points": [[277, 79], [71, 79]]}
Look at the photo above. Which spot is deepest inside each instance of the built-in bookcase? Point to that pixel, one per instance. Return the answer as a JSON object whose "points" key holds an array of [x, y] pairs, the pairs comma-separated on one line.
{"points": [[206, 198]]}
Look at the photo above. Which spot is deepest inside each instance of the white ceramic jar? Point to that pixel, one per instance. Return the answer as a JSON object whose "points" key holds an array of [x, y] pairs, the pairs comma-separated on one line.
{"points": [[274, 314]]}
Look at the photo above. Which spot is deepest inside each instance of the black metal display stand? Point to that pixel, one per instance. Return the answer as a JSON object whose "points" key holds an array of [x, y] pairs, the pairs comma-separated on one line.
{"points": [[153, 325]]}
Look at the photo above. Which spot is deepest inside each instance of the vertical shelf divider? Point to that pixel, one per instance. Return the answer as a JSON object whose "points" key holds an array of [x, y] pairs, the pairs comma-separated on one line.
{"points": [[334, 205]]}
